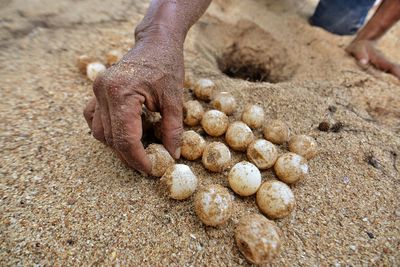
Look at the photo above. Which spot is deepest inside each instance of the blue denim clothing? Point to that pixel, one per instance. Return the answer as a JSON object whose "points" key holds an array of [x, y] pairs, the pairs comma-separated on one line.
{"points": [[342, 17]]}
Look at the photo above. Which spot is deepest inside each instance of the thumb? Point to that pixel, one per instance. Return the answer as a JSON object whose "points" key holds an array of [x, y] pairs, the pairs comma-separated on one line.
{"points": [[172, 127], [361, 55]]}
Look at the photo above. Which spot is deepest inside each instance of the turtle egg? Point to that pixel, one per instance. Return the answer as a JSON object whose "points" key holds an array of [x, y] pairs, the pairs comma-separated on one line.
{"points": [[180, 181], [291, 167], [224, 102], [216, 157], [244, 178], [192, 145], [275, 199], [187, 83], [204, 89], [303, 145], [94, 69], [262, 153], [253, 116], [239, 136], [82, 62], [214, 122], [213, 205], [277, 132], [258, 238], [192, 112], [160, 159], [113, 57]]}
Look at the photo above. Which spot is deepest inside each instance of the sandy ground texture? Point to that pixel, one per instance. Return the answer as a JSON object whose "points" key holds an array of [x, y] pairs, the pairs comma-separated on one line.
{"points": [[67, 200]]}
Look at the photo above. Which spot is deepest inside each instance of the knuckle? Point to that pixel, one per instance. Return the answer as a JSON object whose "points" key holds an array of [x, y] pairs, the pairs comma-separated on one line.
{"points": [[108, 86], [175, 135], [121, 144], [103, 82], [175, 108], [99, 84], [109, 140], [113, 91]]}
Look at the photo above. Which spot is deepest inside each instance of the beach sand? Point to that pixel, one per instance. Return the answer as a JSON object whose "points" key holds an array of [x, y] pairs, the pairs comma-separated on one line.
{"points": [[67, 200]]}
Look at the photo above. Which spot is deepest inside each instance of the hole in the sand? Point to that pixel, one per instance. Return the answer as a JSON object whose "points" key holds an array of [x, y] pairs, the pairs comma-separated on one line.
{"points": [[247, 65], [249, 72], [151, 126], [246, 51]]}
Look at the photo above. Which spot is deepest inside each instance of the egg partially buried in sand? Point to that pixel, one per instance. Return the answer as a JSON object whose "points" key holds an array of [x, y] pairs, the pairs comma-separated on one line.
{"points": [[275, 199], [262, 153], [239, 136], [291, 167], [258, 238], [216, 157], [303, 145], [180, 181], [214, 122], [213, 205], [193, 145], [160, 159]]}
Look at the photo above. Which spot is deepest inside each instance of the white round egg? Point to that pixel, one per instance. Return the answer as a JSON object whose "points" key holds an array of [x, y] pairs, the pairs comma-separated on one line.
{"points": [[192, 112], [258, 238], [82, 61], [180, 181], [277, 132], [216, 157], [303, 145], [192, 145], [244, 178], [160, 159], [113, 56], [94, 69]]}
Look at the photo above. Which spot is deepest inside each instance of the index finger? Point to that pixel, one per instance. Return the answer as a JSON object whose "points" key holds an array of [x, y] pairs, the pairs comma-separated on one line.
{"points": [[380, 62], [126, 126]]}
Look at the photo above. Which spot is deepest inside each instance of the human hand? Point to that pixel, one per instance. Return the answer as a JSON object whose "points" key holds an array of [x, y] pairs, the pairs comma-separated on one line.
{"points": [[152, 74], [365, 53]]}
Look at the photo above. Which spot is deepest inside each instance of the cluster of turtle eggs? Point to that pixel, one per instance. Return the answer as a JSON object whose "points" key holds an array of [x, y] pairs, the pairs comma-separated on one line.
{"points": [[91, 67], [257, 237]]}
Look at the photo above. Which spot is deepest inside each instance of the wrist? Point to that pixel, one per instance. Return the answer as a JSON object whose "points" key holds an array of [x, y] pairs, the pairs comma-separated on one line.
{"points": [[159, 33], [371, 33], [163, 21], [386, 15]]}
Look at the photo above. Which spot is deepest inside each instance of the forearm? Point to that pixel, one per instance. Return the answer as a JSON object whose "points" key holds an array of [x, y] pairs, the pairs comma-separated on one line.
{"points": [[385, 17], [171, 18]]}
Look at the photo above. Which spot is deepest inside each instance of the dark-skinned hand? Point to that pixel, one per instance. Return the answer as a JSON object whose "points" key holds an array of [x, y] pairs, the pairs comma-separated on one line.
{"points": [[366, 54], [151, 74]]}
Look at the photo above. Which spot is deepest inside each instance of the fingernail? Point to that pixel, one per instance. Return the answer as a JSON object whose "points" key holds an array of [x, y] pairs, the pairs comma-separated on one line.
{"points": [[364, 61], [178, 153]]}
